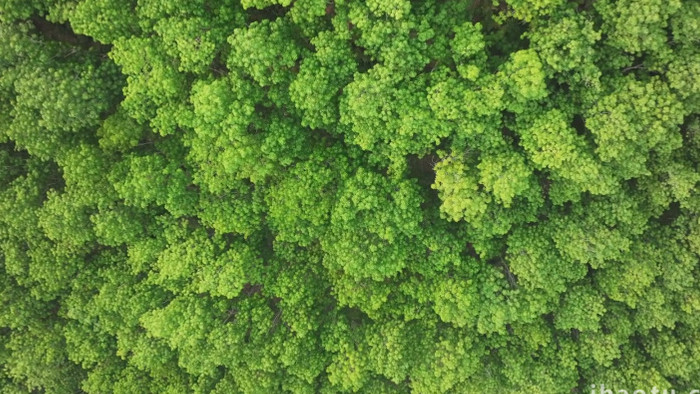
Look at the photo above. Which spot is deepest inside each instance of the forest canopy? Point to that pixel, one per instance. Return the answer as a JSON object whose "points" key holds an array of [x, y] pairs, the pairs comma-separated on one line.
{"points": [[323, 196]]}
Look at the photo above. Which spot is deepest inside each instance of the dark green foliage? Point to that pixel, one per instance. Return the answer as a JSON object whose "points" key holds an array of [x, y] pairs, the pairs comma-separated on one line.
{"points": [[381, 196]]}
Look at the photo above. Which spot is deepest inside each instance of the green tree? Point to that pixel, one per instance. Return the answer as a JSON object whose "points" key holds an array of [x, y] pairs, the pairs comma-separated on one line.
{"points": [[375, 196]]}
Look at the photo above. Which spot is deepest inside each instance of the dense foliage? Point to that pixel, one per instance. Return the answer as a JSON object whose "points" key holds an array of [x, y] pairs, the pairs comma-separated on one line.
{"points": [[349, 196]]}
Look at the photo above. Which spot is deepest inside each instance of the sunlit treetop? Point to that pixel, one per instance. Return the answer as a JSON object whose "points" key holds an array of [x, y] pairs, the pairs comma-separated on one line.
{"points": [[331, 196]]}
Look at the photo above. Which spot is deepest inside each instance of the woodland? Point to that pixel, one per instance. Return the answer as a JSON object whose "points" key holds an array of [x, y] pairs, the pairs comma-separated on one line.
{"points": [[339, 196]]}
